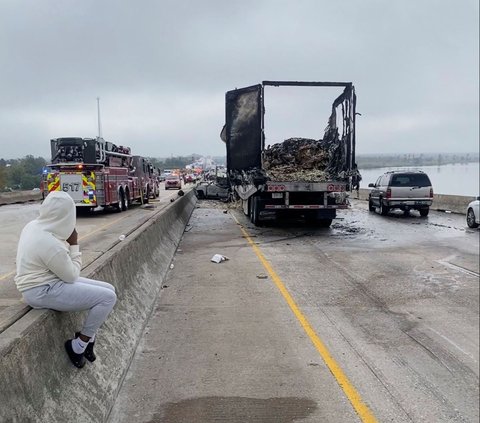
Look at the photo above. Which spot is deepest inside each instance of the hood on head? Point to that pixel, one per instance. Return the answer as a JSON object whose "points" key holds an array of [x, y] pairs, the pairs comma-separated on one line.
{"points": [[58, 214]]}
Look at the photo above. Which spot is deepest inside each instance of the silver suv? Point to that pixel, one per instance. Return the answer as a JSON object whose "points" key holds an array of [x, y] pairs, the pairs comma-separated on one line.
{"points": [[401, 190]]}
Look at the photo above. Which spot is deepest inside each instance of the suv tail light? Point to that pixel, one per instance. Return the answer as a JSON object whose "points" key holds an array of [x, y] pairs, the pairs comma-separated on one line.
{"points": [[389, 193], [431, 192]]}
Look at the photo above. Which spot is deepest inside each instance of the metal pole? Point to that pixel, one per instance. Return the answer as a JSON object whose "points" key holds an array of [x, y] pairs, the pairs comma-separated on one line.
{"points": [[98, 118]]}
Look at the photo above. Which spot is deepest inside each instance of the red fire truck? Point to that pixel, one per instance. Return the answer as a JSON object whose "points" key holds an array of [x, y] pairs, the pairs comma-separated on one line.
{"points": [[94, 173]]}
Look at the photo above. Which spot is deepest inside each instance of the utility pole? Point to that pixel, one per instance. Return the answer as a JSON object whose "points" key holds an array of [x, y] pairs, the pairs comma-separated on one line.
{"points": [[98, 118]]}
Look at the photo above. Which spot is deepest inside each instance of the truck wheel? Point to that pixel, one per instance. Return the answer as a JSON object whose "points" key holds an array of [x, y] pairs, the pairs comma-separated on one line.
{"points": [[147, 196], [383, 208], [255, 215], [371, 206], [424, 212], [324, 223], [124, 200]]}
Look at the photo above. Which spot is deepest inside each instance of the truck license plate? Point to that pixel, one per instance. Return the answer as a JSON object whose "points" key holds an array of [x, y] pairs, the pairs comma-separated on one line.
{"points": [[72, 184], [277, 195]]}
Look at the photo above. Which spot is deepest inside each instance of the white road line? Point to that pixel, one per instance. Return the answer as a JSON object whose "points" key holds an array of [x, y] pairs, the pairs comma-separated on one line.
{"points": [[453, 343]]}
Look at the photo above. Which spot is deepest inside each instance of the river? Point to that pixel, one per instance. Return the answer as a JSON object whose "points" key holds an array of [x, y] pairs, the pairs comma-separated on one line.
{"points": [[451, 179]]}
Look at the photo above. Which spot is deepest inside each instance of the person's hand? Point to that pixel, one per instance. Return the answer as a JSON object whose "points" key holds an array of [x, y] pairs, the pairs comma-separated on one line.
{"points": [[73, 238]]}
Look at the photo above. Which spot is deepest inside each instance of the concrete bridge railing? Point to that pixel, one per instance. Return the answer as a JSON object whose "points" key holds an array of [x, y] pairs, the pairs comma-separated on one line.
{"points": [[37, 381]]}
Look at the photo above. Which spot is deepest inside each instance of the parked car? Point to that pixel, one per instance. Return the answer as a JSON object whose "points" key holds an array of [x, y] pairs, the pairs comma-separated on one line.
{"points": [[473, 214], [401, 190], [173, 181]]}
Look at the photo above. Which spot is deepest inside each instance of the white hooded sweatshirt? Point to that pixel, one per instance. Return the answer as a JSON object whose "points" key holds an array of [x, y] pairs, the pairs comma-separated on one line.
{"points": [[43, 255]]}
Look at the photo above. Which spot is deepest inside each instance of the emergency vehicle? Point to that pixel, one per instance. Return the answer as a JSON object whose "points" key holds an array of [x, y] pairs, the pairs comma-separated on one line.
{"points": [[93, 172]]}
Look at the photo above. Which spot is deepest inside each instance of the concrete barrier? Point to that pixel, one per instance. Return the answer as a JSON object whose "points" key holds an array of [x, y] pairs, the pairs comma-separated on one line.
{"points": [[453, 203], [38, 383], [19, 197]]}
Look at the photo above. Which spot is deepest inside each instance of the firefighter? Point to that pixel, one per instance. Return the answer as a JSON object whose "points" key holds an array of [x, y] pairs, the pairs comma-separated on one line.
{"points": [[48, 273]]}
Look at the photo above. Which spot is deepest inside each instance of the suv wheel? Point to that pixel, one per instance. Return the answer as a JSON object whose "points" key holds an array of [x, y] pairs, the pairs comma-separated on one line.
{"points": [[424, 212], [371, 206], [471, 219], [383, 208]]}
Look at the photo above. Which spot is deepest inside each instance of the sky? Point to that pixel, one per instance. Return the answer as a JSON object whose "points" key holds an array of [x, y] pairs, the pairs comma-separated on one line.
{"points": [[161, 69]]}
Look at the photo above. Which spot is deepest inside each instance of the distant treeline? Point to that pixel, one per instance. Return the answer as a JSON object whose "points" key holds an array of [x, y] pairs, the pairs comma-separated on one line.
{"points": [[21, 174], [365, 161]]}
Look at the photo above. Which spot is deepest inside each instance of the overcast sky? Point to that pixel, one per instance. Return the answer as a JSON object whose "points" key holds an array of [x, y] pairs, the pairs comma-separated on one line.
{"points": [[161, 70]]}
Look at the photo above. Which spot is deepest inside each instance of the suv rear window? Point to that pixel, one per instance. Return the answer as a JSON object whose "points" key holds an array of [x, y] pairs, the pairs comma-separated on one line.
{"points": [[410, 180]]}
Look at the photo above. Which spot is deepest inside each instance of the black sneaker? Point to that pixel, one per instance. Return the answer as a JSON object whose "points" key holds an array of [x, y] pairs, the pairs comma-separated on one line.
{"points": [[88, 354], [78, 360]]}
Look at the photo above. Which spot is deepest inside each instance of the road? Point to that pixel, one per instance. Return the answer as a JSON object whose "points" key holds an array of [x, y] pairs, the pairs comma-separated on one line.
{"points": [[373, 319], [98, 232]]}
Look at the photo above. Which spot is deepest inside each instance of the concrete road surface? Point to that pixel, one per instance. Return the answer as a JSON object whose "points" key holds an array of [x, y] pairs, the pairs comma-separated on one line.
{"points": [[373, 319]]}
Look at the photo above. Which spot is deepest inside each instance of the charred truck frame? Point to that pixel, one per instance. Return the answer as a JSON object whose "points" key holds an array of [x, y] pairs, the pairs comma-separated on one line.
{"points": [[95, 173], [267, 194]]}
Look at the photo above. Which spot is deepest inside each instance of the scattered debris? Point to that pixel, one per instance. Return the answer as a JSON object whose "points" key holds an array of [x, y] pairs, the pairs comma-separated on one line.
{"points": [[225, 211], [172, 266], [172, 200], [121, 237], [262, 276], [218, 258], [180, 193]]}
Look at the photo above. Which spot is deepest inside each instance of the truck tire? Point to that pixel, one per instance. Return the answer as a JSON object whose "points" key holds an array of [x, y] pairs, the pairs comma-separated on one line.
{"points": [[424, 211], [383, 208], [147, 196], [127, 197], [255, 212], [124, 200], [324, 223]]}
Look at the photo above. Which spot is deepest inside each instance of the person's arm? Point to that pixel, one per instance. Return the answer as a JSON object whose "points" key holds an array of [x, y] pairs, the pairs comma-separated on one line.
{"points": [[67, 265]]}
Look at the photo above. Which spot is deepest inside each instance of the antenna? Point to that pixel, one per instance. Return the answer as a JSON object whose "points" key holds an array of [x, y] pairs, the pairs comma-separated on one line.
{"points": [[98, 118]]}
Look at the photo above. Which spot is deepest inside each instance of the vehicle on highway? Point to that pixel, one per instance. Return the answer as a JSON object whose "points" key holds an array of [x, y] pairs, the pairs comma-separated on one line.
{"points": [[173, 181], [299, 177], [402, 190], [473, 213], [218, 189]]}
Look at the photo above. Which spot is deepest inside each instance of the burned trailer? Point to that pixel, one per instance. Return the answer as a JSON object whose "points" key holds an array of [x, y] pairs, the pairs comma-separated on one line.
{"points": [[299, 176]]}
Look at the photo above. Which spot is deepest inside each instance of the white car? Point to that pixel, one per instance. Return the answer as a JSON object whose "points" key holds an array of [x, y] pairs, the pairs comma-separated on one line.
{"points": [[473, 215]]}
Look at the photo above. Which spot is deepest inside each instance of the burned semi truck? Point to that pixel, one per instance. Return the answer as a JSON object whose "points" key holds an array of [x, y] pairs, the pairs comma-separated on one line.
{"points": [[300, 177]]}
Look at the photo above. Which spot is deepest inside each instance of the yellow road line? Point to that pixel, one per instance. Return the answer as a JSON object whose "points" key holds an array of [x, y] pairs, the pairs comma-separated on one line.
{"points": [[6, 275], [102, 227], [352, 394]]}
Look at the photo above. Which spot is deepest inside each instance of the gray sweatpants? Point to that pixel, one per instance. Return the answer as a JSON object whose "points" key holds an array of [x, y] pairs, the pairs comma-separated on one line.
{"points": [[84, 294]]}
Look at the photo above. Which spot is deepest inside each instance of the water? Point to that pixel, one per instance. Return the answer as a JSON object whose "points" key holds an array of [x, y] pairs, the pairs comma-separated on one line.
{"points": [[451, 179]]}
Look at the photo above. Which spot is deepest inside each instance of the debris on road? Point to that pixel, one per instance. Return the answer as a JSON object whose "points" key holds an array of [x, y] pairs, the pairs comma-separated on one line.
{"points": [[218, 258], [262, 276]]}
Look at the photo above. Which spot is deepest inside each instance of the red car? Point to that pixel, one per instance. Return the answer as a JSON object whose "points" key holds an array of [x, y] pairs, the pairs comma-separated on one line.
{"points": [[173, 181]]}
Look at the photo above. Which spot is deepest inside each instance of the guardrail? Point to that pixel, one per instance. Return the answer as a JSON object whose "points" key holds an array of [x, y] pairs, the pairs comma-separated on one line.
{"points": [[19, 197], [441, 202], [37, 381]]}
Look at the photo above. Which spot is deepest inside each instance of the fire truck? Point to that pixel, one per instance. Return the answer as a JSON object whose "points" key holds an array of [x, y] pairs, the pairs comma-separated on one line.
{"points": [[94, 173], [144, 172]]}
